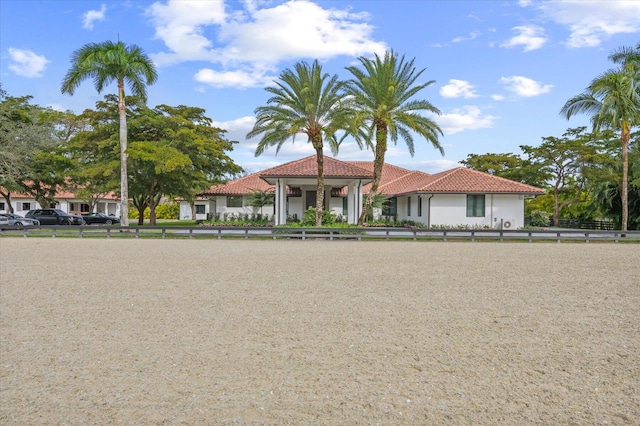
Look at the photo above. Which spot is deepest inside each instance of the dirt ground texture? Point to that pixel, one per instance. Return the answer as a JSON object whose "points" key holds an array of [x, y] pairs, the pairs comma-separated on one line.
{"points": [[112, 331]]}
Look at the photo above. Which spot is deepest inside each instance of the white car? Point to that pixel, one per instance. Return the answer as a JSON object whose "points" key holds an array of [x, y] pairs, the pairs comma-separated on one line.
{"points": [[12, 219]]}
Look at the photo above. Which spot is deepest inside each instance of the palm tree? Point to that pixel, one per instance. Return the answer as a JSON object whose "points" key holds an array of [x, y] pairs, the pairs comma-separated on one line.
{"points": [[381, 92], [105, 63], [304, 101], [613, 101]]}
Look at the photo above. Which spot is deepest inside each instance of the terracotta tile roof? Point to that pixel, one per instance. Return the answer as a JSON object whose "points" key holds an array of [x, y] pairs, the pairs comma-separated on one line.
{"points": [[390, 173], [400, 184], [308, 167], [464, 180], [395, 180], [62, 194], [242, 186]]}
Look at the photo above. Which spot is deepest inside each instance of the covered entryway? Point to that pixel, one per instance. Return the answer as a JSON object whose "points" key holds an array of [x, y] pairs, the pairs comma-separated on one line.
{"points": [[304, 174]]}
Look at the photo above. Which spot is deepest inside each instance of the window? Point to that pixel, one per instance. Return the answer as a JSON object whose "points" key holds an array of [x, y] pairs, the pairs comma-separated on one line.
{"points": [[26, 206], [475, 205], [390, 207], [409, 206], [345, 206], [234, 201], [200, 209], [84, 208], [2, 206], [419, 206]]}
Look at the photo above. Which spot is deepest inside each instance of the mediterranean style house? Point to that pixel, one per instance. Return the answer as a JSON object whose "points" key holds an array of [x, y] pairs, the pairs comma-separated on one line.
{"points": [[65, 200], [459, 196]]}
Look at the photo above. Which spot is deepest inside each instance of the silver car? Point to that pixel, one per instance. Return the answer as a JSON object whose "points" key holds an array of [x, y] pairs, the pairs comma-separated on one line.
{"points": [[12, 219]]}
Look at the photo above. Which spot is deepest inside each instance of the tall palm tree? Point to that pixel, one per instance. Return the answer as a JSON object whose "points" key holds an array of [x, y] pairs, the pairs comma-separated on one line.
{"points": [[613, 101], [305, 100], [382, 92], [106, 63]]}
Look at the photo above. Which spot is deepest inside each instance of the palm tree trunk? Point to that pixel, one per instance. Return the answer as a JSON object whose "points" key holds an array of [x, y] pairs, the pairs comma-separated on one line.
{"points": [[626, 135], [378, 162], [124, 186], [556, 208], [320, 190]]}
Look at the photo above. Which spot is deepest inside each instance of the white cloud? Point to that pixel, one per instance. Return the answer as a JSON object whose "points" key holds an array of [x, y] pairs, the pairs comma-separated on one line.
{"points": [[530, 36], [236, 129], [469, 117], [472, 35], [458, 89], [497, 97], [27, 63], [525, 87], [237, 79], [591, 22], [180, 25], [93, 15], [247, 44]]}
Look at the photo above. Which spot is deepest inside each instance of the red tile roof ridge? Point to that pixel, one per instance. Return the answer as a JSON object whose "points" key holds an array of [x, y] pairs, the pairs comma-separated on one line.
{"points": [[303, 166], [404, 176], [517, 187]]}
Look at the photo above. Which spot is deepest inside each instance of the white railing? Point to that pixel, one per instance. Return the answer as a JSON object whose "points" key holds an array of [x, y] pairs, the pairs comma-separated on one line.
{"points": [[369, 233]]}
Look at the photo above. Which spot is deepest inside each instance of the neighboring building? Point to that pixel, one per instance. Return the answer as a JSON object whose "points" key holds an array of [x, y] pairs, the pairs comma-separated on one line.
{"points": [[454, 197], [64, 200]]}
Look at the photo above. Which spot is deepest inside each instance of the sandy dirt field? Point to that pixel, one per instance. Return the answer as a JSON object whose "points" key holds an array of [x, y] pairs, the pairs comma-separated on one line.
{"points": [[97, 331]]}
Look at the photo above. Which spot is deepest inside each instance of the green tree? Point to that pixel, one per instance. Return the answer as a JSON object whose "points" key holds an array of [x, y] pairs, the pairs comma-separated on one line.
{"points": [[508, 166], [305, 100], [24, 132], [606, 199], [613, 101], [382, 92], [173, 151], [105, 63], [564, 163], [259, 199], [32, 150]]}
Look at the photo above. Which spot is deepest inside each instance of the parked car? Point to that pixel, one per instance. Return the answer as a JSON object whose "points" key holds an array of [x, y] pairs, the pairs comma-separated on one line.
{"points": [[101, 218], [55, 217], [12, 219]]}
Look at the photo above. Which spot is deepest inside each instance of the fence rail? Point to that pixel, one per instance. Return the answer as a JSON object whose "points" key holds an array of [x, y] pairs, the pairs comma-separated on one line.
{"points": [[163, 232]]}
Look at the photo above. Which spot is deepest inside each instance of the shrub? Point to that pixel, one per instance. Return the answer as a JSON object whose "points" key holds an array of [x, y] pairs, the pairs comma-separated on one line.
{"points": [[539, 219], [309, 217], [168, 210]]}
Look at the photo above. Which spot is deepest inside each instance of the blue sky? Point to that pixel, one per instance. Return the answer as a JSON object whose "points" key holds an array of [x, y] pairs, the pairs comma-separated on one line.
{"points": [[502, 69]]}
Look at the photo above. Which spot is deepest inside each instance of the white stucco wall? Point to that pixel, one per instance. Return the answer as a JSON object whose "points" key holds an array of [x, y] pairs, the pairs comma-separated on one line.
{"points": [[451, 210], [106, 206], [219, 203]]}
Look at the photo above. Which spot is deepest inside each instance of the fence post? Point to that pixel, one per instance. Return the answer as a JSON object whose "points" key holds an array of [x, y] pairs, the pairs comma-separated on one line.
{"points": [[444, 235], [473, 236]]}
